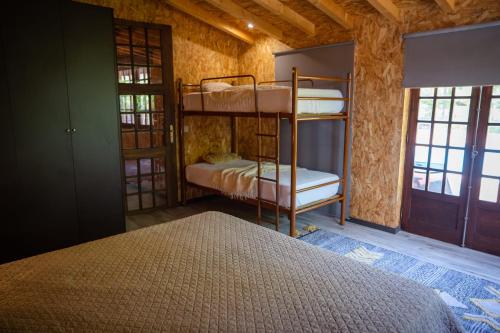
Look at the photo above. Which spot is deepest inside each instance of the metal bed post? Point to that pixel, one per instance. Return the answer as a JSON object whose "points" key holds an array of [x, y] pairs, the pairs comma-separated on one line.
{"points": [[182, 161], [234, 134], [293, 180], [346, 151]]}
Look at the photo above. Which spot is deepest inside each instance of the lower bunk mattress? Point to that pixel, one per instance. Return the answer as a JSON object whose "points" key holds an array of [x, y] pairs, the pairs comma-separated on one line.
{"points": [[202, 174], [210, 272]]}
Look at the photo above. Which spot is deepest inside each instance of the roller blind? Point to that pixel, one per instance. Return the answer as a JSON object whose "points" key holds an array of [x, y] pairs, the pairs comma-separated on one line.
{"points": [[462, 56]]}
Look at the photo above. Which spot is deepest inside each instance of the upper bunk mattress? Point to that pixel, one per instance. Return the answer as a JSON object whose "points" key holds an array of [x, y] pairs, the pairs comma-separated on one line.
{"points": [[210, 272], [269, 99], [203, 174]]}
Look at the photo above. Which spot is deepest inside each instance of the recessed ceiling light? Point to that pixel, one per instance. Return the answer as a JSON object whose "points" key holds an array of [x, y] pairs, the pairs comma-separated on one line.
{"points": [[250, 25]]}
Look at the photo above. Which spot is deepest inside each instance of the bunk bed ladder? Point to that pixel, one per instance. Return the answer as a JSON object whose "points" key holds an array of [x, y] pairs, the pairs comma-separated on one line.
{"points": [[275, 159]]}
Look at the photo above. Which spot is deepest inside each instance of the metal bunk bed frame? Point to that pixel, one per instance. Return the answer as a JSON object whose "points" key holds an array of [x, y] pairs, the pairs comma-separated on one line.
{"points": [[294, 118]]}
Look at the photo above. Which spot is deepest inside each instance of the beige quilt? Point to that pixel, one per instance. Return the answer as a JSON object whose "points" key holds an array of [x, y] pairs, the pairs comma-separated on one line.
{"points": [[241, 182], [206, 273]]}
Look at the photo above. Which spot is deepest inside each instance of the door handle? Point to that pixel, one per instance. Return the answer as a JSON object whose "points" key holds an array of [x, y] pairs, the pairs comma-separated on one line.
{"points": [[171, 131]]}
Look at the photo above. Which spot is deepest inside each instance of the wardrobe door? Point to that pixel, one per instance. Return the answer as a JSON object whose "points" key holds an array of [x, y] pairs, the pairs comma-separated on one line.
{"points": [[92, 88], [43, 197]]}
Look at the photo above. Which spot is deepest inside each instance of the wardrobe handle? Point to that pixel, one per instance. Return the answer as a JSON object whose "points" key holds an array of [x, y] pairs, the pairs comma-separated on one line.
{"points": [[73, 130], [67, 130]]}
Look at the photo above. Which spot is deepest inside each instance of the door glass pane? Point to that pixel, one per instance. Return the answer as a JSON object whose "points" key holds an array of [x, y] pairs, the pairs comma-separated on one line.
{"points": [[495, 111], [419, 178], [491, 164], [455, 160], [139, 54], [146, 183], [147, 200], [133, 202], [453, 184], [444, 91], [132, 185], [440, 134], [489, 189], [155, 57], [496, 90], [124, 74], [421, 156], [142, 103], [425, 109], [458, 135], [423, 133], [435, 181], [130, 168], [144, 139], [463, 91], [427, 92], [156, 102], [442, 112], [154, 37], [123, 55], [141, 75], [493, 138], [158, 121], [437, 158], [461, 110], [138, 36], [122, 35], [145, 166], [126, 103], [156, 75]]}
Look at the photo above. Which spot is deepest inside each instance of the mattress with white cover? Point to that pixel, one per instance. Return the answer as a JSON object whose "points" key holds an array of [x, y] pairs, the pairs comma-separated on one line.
{"points": [[203, 174], [269, 99]]}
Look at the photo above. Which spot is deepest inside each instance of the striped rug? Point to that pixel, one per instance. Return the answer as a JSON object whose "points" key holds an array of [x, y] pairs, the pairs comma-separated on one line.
{"points": [[475, 301]]}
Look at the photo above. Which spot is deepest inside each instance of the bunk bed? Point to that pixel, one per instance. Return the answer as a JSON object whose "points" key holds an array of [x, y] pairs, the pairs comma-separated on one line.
{"points": [[302, 190]]}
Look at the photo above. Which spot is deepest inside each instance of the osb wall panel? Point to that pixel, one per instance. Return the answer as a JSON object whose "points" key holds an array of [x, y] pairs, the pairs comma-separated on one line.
{"points": [[252, 61], [378, 116], [199, 51]]}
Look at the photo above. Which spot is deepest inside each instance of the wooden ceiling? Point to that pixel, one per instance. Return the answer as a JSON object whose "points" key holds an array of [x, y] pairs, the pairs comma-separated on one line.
{"points": [[282, 19]]}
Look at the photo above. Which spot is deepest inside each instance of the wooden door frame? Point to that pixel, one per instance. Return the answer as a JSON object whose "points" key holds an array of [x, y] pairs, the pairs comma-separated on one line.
{"points": [[167, 89], [409, 160]]}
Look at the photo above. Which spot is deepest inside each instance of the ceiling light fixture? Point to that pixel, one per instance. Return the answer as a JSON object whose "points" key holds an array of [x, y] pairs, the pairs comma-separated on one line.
{"points": [[250, 25]]}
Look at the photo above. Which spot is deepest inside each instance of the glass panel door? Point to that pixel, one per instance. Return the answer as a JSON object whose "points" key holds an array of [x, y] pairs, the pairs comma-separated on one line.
{"points": [[483, 232], [439, 139], [144, 63]]}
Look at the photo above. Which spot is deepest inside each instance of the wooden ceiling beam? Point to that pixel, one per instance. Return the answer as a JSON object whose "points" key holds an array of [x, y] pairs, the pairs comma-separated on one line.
{"points": [[241, 13], [289, 15], [190, 8], [334, 11], [387, 8], [446, 5]]}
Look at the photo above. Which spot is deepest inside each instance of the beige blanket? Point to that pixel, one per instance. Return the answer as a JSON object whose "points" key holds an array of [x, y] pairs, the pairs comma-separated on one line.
{"points": [[242, 182], [210, 273]]}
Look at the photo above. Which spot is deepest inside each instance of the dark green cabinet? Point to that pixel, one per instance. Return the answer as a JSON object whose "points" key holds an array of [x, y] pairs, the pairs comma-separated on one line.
{"points": [[59, 93]]}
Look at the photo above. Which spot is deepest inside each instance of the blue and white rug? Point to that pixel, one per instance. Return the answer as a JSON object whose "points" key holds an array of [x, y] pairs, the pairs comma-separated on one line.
{"points": [[475, 301]]}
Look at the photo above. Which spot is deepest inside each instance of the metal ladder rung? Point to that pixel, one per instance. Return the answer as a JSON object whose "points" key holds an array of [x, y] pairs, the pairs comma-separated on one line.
{"points": [[274, 203], [268, 179], [267, 135], [267, 157]]}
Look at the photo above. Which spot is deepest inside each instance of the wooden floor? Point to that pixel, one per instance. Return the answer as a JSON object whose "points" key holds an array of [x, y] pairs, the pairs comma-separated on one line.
{"points": [[451, 256]]}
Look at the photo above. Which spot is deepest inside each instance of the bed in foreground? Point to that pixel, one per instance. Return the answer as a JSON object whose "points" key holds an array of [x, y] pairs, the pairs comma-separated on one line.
{"points": [[210, 272]]}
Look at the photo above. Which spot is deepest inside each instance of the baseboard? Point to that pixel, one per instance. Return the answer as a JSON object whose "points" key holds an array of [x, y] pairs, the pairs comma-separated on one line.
{"points": [[374, 226]]}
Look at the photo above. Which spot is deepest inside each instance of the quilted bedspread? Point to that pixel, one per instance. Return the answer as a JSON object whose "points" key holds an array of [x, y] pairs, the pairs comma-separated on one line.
{"points": [[210, 272]]}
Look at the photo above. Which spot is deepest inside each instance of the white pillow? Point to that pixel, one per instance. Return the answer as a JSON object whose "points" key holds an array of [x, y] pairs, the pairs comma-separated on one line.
{"points": [[215, 86]]}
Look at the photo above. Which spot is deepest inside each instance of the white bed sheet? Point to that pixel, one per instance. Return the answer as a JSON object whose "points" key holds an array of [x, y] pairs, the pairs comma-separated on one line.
{"points": [[270, 99], [202, 174]]}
